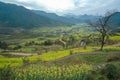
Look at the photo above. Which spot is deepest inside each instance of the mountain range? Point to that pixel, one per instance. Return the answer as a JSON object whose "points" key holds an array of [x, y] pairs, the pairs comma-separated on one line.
{"points": [[12, 15]]}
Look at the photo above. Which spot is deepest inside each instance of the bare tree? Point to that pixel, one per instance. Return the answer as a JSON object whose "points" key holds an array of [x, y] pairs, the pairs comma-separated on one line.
{"points": [[102, 25]]}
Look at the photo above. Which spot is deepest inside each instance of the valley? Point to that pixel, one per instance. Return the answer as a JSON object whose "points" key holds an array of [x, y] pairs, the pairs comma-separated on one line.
{"points": [[39, 45], [41, 49]]}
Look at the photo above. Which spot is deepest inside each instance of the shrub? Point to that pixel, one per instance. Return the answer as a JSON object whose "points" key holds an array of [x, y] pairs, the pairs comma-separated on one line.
{"points": [[110, 71], [7, 73], [29, 43], [71, 52], [15, 47], [25, 60], [3, 45], [48, 42]]}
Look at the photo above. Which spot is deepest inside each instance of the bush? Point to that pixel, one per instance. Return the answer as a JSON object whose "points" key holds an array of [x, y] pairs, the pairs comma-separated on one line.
{"points": [[29, 43], [48, 42], [3, 45], [7, 73], [110, 71], [71, 52], [25, 60], [15, 47]]}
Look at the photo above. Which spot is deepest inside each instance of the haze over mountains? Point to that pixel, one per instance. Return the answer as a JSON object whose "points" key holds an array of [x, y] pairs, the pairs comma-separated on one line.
{"points": [[12, 15]]}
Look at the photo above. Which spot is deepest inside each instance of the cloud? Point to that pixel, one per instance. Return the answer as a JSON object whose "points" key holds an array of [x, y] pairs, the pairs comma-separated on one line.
{"points": [[76, 7], [96, 7]]}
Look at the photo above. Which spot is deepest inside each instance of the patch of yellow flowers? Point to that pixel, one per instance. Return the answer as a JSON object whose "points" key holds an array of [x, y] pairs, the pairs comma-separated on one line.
{"points": [[75, 72]]}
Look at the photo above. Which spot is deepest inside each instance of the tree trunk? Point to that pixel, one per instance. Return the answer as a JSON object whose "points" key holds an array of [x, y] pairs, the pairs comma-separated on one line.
{"points": [[102, 42], [101, 46]]}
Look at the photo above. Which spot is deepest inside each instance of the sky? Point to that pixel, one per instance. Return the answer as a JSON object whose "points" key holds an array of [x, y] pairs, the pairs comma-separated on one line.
{"points": [[72, 7]]}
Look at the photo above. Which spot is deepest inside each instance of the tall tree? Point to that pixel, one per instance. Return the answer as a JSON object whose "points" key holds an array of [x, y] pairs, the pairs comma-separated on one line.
{"points": [[102, 25]]}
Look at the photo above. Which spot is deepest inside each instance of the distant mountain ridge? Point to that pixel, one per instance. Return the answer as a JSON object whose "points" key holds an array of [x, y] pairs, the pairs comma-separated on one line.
{"points": [[71, 19], [55, 17], [17, 16], [115, 19], [14, 16]]}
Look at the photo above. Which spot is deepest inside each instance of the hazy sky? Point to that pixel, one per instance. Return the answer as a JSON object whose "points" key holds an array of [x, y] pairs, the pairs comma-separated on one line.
{"points": [[75, 7]]}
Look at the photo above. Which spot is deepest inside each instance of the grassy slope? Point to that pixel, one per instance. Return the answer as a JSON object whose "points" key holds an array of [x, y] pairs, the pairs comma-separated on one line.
{"points": [[53, 55], [115, 38], [10, 61], [50, 55]]}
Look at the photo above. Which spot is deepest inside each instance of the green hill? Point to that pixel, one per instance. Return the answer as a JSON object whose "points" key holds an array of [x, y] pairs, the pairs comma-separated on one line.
{"points": [[17, 16]]}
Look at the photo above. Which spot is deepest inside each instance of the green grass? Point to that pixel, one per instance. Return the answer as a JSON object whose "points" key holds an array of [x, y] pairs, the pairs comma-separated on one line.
{"points": [[60, 54], [1, 56], [93, 59], [81, 50], [27, 50], [115, 38], [53, 55], [96, 59], [111, 48], [48, 29], [10, 61]]}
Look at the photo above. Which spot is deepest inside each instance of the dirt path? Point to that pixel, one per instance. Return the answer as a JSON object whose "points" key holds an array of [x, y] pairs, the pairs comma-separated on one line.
{"points": [[115, 45], [20, 53]]}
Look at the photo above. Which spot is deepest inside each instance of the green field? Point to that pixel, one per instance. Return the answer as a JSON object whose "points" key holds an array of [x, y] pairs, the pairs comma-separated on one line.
{"points": [[53, 55], [72, 67], [52, 60]]}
